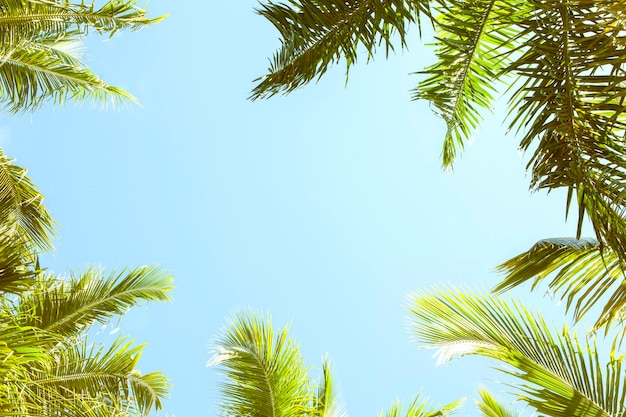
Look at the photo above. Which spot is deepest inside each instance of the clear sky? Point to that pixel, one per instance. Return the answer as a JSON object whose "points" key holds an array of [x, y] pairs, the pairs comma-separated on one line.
{"points": [[326, 207]]}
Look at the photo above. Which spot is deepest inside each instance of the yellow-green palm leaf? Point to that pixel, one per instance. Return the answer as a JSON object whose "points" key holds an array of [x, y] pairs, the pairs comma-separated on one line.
{"points": [[578, 271], [557, 374]]}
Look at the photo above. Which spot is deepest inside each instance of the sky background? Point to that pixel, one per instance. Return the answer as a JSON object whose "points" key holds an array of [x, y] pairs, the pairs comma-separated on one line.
{"points": [[327, 207]]}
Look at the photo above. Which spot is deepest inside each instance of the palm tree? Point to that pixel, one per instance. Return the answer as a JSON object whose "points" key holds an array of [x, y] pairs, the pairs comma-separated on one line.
{"points": [[40, 50], [47, 364], [265, 376], [559, 375], [561, 64]]}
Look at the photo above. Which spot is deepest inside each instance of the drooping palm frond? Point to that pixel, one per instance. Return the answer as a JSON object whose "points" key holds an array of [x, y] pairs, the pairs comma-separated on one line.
{"points": [[578, 271], [420, 407], [33, 73], [474, 42], [100, 375], [67, 307], [318, 33], [265, 372], [490, 407], [570, 107], [22, 212], [34, 67], [558, 375]]}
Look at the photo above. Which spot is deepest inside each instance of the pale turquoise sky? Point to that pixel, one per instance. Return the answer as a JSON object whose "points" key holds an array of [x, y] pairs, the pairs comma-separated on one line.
{"points": [[326, 207]]}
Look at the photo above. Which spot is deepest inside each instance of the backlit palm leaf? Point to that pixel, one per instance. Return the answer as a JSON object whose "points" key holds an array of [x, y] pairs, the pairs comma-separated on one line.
{"points": [[34, 67], [67, 307], [578, 271], [22, 212], [266, 375], [316, 34], [102, 375], [474, 41], [570, 105], [558, 375]]}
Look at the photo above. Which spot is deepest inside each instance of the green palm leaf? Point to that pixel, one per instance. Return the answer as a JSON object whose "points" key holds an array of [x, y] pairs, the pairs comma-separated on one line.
{"points": [[578, 271], [34, 67], [110, 376], [570, 107], [318, 33], [558, 375], [265, 372], [32, 73], [21, 207], [69, 307], [473, 46]]}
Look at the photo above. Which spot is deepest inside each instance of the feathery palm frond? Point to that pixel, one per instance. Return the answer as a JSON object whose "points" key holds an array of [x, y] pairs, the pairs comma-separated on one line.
{"points": [[266, 375], [578, 270], [474, 45], [36, 19], [34, 67], [90, 372], [21, 207], [571, 105], [32, 73], [560, 376], [69, 307], [316, 34]]}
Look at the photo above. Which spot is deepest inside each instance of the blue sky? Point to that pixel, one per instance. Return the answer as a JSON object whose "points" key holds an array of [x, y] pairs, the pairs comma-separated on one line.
{"points": [[326, 207]]}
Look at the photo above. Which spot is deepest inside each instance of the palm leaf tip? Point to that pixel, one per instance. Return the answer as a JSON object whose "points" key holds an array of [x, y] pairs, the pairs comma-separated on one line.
{"points": [[420, 406]]}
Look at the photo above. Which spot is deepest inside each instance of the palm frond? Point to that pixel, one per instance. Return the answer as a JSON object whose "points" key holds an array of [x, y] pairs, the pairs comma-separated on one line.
{"points": [[21, 207], [318, 33], [265, 373], [570, 107], [33, 73], [85, 370], [33, 66], [578, 271], [39, 19], [559, 375], [474, 42], [69, 307]]}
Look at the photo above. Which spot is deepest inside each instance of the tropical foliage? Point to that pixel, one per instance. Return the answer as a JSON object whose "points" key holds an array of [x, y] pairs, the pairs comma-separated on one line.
{"points": [[265, 376], [40, 50], [562, 66], [47, 363], [558, 374]]}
